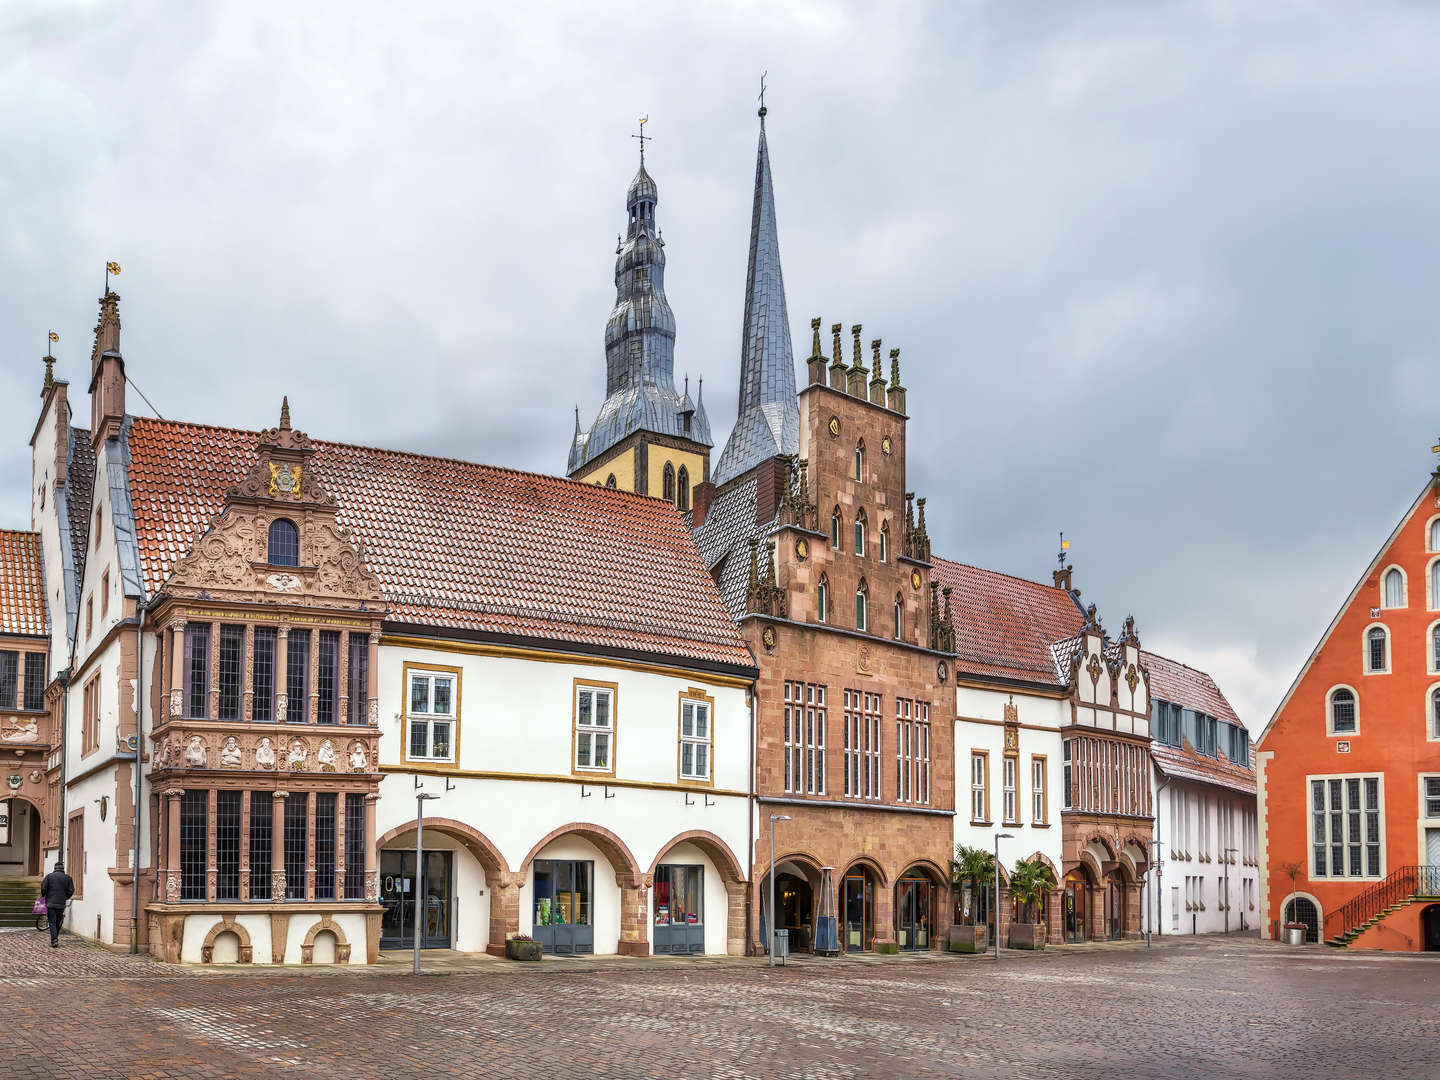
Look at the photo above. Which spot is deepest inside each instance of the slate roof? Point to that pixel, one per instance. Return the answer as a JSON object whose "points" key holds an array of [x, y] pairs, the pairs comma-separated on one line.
{"points": [[1190, 688], [724, 539], [79, 493], [464, 547], [22, 584], [1007, 627]]}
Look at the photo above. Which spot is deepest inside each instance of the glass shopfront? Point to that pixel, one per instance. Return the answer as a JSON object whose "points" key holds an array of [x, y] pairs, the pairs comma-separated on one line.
{"points": [[400, 889], [565, 906], [1074, 915], [679, 916], [1115, 911], [912, 913], [858, 911]]}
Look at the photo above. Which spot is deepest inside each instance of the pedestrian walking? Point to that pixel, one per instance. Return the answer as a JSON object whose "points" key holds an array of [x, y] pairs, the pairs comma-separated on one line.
{"points": [[56, 890]]}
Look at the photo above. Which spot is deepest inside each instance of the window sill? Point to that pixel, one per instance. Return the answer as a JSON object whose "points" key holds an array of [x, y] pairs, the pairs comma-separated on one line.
{"points": [[1040, 825], [982, 824]]}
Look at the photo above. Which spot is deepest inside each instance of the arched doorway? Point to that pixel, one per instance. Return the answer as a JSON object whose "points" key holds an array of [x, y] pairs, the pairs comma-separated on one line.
{"points": [[1430, 928], [797, 892], [1301, 909], [857, 909], [697, 894], [917, 899], [575, 906], [1075, 898], [20, 829], [1117, 904], [435, 890]]}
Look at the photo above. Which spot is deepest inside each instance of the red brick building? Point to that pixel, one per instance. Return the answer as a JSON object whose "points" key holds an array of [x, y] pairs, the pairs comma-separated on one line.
{"points": [[1349, 766]]}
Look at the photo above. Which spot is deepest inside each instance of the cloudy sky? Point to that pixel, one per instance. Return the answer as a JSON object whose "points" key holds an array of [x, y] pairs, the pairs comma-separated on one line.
{"points": [[1162, 276]]}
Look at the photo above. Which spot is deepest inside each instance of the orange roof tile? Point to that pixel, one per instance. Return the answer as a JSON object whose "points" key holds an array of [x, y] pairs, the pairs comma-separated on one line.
{"points": [[1005, 625], [22, 584], [463, 547]]}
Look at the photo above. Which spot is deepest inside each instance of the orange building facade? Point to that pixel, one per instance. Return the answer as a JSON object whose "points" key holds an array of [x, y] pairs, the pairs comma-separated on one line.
{"points": [[1349, 766]]}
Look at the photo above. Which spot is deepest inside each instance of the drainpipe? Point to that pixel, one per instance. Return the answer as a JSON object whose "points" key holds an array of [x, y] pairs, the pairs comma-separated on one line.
{"points": [[754, 808], [64, 678], [139, 753]]}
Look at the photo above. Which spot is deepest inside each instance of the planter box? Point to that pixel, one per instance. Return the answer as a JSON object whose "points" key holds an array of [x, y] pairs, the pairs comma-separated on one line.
{"points": [[1027, 936], [967, 939], [1294, 935], [522, 950], [887, 948]]}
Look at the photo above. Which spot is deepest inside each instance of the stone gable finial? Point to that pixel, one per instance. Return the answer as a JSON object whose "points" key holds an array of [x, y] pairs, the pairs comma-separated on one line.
{"points": [[859, 364], [838, 359], [815, 339], [285, 413], [895, 368]]}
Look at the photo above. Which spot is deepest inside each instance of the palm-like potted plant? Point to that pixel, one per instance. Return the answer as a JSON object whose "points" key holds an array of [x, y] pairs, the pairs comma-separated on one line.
{"points": [[1030, 881], [972, 871], [1294, 931]]}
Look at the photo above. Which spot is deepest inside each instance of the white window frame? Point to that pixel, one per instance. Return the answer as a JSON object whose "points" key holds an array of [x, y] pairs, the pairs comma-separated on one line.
{"points": [[1428, 820], [860, 523], [1365, 653], [1330, 711], [1432, 576], [1432, 646], [701, 711], [884, 541], [1009, 774], [979, 793], [862, 608], [1345, 811], [1038, 783], [1432, 723], [1432, 534], [588, 734], [1394, 568], [428, 717]]}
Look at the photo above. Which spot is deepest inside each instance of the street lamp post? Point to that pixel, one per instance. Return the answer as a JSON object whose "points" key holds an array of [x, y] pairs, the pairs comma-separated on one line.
{"points": [[1228, 852], [770, 945], [420, 800], [998, 838], [1156, 908]]}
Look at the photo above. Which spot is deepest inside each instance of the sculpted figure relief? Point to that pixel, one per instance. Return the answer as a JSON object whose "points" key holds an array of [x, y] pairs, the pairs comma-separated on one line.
{"points": [[298, 753], [265, 754], [326, 756], [26, 730], [195, 752], [230, 754], [358, 758]]}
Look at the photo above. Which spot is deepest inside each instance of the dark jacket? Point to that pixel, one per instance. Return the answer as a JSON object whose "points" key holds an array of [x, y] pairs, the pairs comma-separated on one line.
{"points": [[56, 889]]}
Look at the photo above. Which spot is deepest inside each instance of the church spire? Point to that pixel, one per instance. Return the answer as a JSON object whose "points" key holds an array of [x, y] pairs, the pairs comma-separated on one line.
{"points": [[768, 419]]}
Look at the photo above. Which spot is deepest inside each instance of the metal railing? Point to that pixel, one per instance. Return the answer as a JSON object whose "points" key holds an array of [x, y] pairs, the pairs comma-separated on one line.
{"points": [[1404, 883]]}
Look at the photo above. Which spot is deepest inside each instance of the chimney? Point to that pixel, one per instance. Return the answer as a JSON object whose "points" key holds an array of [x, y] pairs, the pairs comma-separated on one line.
{"points": [[773, 480], [700, 499]]}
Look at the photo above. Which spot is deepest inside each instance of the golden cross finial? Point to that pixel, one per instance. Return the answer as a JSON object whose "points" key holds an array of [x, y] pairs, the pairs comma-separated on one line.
{"points": [[1436, 448], [643, 137], [110, 268]]}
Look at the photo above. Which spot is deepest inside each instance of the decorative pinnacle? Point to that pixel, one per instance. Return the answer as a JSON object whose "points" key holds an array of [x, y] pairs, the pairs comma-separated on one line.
{"points": [[875, 365], [859, 364], [835, 329], [285, 413], [49, 373], [643, 137], [815, 352], [762, 111], [895, 368]]}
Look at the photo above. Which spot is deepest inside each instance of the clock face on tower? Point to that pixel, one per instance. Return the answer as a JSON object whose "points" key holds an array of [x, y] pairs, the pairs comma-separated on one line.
{"points": [[834, 427], [915, 579], [802, 549], [885, 445]]}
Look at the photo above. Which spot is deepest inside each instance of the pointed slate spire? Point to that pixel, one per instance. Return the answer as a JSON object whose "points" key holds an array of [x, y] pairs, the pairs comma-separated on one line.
{"points": [[768, 419]]}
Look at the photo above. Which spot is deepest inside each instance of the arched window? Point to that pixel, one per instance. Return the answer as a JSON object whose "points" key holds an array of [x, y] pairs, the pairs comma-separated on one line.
{"points": [[899, 613], [860, 533], [682, 489], [1435, 535], [1435, 648], [1377, 652], [822, 600], [1394, 588], [1342, 711], [885, 542], [1435, 713], [1435, 585], [835, 529], [283, 548], [610, 481], [860, 592], [860, 460], [669, 482]]}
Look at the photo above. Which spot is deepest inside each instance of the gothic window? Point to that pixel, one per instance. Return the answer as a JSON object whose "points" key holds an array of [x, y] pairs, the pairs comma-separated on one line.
{"points": [[885, 542], [1435, 535], [822, 599], [1394, 588], [682, 489], [284, 543], [860, 460], [1342, 711], [1435, 584], [860, 533], [1435, 713], [899, 611], [860, 595], [835, 529], [610, 481], [1377, 659], [669, 482]]}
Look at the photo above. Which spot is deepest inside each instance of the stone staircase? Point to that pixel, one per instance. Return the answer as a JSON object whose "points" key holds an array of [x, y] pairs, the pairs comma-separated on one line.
{"points": [[17, 897], [1341, 941]]}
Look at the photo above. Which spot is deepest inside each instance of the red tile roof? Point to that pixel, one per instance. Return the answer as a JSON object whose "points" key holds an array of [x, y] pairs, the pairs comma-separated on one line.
{"points": [[1005, 625], [1190, 688], [463, 547], [22, 584]]}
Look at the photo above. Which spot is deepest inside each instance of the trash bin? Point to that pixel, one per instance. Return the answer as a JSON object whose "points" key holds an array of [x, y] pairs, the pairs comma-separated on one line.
{"points": [[782, 944], [1294, 935]]}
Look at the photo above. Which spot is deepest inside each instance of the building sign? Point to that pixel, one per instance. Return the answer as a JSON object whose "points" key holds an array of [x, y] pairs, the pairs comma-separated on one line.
{"points": [[1343, 746], [4, 821]]}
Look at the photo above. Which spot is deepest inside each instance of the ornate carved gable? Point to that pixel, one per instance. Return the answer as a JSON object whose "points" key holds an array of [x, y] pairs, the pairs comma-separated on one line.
{"points": [[231, 559]]}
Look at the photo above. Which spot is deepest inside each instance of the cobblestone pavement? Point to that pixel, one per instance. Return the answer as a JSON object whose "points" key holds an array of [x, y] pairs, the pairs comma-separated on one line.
{"points": [[1213, 1007]]}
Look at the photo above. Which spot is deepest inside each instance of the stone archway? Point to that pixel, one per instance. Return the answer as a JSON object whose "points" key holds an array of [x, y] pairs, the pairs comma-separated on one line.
{"points": [[736, 886], [921, 914], [799, 878], [25, 827], [633, 882], [503, 886], [325, 925], [244, 953]]}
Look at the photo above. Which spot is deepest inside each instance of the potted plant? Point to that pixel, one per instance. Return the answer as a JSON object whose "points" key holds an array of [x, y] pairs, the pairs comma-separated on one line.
{"points": [[972, 872], [1030, 881], [522, 947], [1294, 932]]}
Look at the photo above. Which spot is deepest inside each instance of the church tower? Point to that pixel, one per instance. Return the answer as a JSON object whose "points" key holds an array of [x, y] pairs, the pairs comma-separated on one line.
{"points": [[648, 437], [767, 423]]}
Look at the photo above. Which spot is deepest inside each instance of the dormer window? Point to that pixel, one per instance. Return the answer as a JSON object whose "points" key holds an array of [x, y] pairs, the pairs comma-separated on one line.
{"points": [[284, 543]]}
